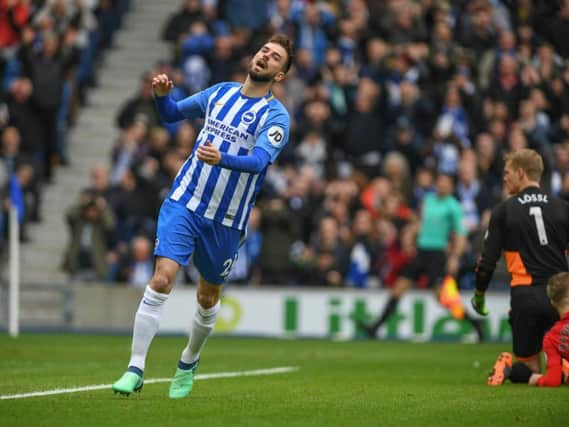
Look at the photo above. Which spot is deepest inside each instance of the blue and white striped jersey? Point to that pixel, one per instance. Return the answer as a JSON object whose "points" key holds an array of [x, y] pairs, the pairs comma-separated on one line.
{"points": [[234, 123]]}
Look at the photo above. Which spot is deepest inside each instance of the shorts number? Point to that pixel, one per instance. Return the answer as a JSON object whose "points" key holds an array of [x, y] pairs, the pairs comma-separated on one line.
{"points": [[536, 212], [227, 266]]}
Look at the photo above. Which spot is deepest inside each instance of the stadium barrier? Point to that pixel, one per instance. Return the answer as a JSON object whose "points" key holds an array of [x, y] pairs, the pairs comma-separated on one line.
{"points": [[289, 313]]}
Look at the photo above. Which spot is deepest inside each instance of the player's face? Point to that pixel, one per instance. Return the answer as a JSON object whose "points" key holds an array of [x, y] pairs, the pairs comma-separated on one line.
{"points": [[511, 180], [267, 64]]}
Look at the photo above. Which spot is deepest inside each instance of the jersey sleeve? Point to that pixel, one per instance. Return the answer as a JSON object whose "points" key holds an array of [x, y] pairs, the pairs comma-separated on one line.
{"points": [[274, 133], [494, 239], [553, 373], [253, 163], [195, 106], [493, 245]]}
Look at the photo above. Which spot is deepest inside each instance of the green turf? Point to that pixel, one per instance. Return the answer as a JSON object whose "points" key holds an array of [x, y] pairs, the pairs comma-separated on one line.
{"points": [[338, 384]]}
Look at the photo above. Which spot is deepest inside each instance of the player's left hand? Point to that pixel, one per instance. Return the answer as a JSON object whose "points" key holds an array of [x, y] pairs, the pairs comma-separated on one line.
{"points": [[209, 154]]}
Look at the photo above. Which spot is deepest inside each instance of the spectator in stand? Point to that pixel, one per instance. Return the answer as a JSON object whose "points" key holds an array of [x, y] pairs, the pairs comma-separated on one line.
{"points": [[140, 107], [325, 260], [23, 116], [249, 15], [136, 267], [364, 251], [275, 250], [405, 140], [90, 222], [184, 139], [24, 166], [414, 108], [171, 163], [314, 28], [225, 59], [130, 149], [158, 143], [364, 142], [14, 17], [424, 184], [280, 17], [474, 198], [135, 207], [395, 167], [406, 25], [476, 29], [311, 152], [48, 69], [398, 251], [179, 22], [506, 86]]}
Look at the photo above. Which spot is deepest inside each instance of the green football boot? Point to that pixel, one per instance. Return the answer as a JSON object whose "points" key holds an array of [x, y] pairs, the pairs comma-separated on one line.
{"points": [[183, 380], [129, 382]]}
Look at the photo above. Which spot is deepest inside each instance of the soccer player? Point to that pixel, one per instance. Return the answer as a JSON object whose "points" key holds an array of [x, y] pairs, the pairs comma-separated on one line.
{"points": [[532, 228], [555, 345], [440, 243], [206, 211]]}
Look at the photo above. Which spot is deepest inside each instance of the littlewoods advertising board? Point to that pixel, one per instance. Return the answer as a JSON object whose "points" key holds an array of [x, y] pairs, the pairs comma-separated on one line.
{"points": [[292, 313]]}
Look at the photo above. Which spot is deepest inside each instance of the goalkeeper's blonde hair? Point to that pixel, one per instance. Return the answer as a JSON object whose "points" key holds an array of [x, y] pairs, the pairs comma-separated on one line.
{"points": [[528, 160]]}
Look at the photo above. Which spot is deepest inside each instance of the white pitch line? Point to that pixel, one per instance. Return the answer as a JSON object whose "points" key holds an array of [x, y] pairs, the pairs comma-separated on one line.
{"points": [[256, 372]]}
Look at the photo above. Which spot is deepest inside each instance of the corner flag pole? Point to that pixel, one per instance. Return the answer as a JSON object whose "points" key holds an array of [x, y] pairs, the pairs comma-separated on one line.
{"points": [[14, 308]]}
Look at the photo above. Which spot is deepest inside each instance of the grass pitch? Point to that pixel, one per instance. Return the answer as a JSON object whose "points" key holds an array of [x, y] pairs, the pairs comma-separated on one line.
{"points": [[338, 384]]}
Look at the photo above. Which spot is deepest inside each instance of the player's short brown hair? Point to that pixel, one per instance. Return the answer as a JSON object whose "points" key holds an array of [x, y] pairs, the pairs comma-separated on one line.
{"points": [[528, 160], [288, 46], [558, 288]]}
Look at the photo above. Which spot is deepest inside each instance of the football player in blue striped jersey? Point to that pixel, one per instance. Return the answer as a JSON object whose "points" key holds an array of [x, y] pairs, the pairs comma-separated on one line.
{"points": [[205, 214]]}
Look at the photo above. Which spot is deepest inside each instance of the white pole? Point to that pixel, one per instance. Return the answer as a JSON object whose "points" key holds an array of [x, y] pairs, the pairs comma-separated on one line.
{"points": [[14, 322]]}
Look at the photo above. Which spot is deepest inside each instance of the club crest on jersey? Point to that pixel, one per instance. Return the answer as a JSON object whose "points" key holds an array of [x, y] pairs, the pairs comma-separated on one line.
{"points": [[249, 117], [275, 135]]}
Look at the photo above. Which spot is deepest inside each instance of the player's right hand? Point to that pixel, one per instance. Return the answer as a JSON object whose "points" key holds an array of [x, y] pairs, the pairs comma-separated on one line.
{"points": [[161, 85], [478, 302]]}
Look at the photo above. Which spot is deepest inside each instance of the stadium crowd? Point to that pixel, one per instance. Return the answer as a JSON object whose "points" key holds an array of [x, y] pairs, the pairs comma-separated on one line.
{"points": [[383, 96], [49, 50]]}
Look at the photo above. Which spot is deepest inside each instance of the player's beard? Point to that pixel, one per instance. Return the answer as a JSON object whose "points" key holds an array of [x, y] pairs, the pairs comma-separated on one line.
{"points": [[262, 77]]}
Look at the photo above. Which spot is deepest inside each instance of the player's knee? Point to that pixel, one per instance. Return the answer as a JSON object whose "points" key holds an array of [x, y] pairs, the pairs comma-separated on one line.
{"points": [[207, 299], [161, 282]]}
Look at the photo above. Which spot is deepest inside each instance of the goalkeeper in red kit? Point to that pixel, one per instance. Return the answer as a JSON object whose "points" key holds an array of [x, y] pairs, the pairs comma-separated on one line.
{"points": [[555, 344]]}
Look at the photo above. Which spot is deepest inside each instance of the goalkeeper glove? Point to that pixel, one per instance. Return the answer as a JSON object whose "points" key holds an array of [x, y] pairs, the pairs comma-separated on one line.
{"points": [[478, 302]]}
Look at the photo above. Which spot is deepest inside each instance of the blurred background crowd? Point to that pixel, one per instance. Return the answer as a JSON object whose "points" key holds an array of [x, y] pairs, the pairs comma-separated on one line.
{"points": [[49, 51], [384, 95]]}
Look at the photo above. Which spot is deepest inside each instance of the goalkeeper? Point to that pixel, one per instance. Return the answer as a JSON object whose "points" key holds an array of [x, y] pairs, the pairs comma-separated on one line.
{"points": [[532, 228]]}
